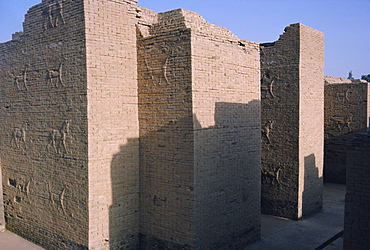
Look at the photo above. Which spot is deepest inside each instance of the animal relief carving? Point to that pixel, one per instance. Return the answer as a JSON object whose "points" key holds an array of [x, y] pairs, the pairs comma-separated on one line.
{"points": [[55, 76], [272, 176], [344, 96], [57, 198], [159, 70], [19, 136], [53, 15], [343, 122], [58, 138], [266, 130], [20, 81], [267, 85]]}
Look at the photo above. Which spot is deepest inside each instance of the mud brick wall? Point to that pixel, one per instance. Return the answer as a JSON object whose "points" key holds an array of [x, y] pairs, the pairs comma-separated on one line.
{"points": [[292, 115], [166, 137], [227, 160], [357, 217], [199, 135], [346, 112], [43, 127], [113, 123]]}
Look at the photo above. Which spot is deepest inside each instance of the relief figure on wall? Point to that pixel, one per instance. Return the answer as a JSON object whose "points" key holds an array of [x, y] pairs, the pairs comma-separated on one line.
{"points": [[19, 136], [166, 51], [343, 122], [53, 15], [266, 129], [271, 176], [58, 138], [55, 76], [267, 85], [20, 81], [57, 198], [344, 96]]}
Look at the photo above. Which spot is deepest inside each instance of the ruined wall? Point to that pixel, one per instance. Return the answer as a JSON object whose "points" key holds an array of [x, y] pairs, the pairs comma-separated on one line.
{"points": [[357, 217], [43, 127], [346, 112], [199, 135], [292, 111]]}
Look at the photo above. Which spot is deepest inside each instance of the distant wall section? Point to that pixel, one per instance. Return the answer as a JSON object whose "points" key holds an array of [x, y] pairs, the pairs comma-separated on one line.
{"points": [[346, 112], [356, 220]]}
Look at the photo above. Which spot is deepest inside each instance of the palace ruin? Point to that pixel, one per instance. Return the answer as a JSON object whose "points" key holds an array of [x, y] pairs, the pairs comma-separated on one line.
{"points": [[123, 128]]}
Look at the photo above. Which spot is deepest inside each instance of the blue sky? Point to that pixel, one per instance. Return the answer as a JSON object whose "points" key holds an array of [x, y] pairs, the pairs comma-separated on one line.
{"points": [[346, 23]]}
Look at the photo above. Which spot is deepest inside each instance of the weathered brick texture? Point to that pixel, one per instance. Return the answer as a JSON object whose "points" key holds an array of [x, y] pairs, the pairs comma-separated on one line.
{"points": [[357, 207], [292, 122], [346, 112]]}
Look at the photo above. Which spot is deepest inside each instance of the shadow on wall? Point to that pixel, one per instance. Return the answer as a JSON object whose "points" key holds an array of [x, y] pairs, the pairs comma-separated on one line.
{"points": [[228, 172], [312, 196], [215, 168], [335, 154], [124, 212]]}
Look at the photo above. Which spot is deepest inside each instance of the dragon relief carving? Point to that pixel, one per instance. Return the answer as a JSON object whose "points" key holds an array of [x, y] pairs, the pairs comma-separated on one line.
{"points": [[166, 51], [266, 129]]}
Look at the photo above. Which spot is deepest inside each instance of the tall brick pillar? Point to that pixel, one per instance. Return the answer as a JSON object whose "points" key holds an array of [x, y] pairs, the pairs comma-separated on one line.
{"points": [[292, 92], [113, 126], [199, 113]]}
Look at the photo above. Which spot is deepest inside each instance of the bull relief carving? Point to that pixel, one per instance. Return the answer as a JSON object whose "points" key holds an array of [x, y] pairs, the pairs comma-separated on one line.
{"points": [[344, 96], [54, 77], [58, 138], [20, 80], [266, 129], [53, 15], [19, 137], [272, 177], [57, 199], [342, 122], [24, 190]]}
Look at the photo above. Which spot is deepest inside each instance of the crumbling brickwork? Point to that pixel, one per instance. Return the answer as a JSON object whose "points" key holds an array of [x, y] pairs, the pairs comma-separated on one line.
{"points": [[357, 217], [346, 112], [292, 117]]}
